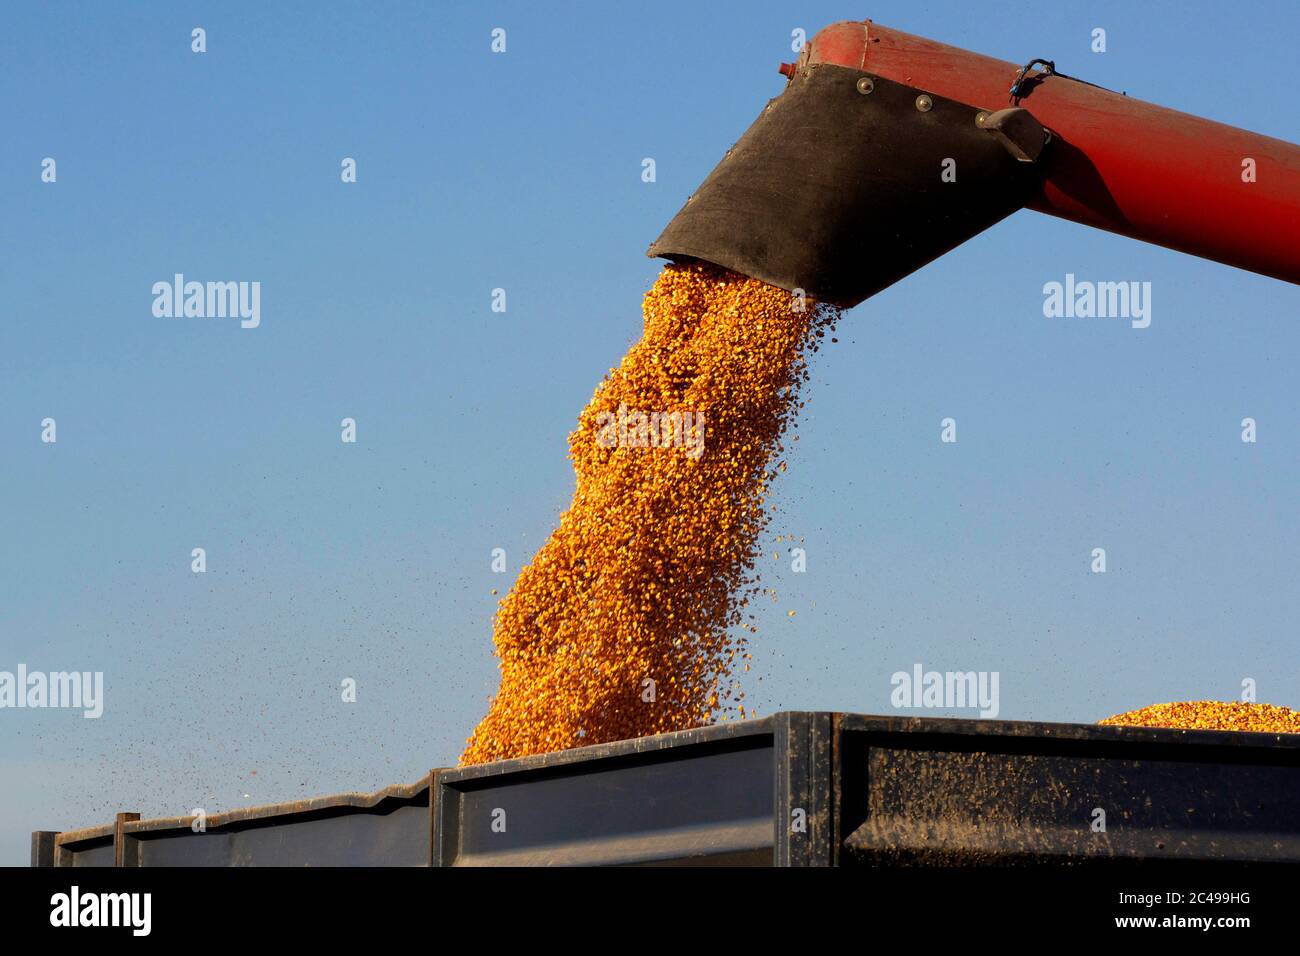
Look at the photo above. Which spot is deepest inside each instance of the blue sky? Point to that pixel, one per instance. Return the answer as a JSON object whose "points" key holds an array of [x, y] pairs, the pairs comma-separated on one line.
{"points": [[522, 171]]}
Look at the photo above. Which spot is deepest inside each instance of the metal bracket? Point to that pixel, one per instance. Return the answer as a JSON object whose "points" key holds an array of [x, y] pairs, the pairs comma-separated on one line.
{"points": [[1016, 129]]}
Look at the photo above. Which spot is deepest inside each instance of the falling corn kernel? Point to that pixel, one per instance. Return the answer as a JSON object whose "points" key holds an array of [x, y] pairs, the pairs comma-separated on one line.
{"points": [[1213, 715], [626, 622]]}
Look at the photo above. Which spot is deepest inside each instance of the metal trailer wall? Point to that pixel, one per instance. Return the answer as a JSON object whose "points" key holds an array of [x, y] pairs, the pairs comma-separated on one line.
{"points": [[794, 789]]}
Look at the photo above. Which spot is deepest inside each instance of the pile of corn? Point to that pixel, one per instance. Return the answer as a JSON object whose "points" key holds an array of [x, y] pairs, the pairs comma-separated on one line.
{"points": [[629, 620], [1213, 715]]}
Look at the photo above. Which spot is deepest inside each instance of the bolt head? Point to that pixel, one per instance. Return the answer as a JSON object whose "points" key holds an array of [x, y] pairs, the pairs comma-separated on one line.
{"points": [[924, 103], [980, 117], [866, 85]]}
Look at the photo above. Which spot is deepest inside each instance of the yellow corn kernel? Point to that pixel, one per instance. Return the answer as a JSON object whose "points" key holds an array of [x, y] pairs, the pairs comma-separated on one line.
{"points": [[627, 621]]}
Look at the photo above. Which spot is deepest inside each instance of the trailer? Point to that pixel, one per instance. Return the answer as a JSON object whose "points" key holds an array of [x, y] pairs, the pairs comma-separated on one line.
{"points": [[793, 789]]}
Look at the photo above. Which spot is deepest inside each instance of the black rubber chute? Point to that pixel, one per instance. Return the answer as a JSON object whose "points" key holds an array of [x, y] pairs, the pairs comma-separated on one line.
{"points": [[839, 187]]}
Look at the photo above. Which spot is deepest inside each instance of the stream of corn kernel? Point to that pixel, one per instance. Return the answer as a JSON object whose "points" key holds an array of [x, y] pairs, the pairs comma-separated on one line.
{"points": [[630, 619]]}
